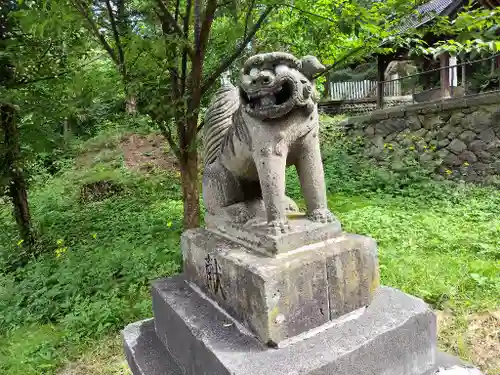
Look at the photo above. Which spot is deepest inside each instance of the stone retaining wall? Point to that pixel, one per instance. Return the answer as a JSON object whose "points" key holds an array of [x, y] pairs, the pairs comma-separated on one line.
{"points": [[357, 107], [459, 138]]}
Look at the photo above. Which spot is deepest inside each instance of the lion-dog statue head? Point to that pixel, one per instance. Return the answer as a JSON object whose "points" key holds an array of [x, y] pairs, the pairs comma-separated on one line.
{"points": [[274, 84]]}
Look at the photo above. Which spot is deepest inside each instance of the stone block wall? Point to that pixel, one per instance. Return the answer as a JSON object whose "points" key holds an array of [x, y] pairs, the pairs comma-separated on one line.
{"points": [[458, 138]]}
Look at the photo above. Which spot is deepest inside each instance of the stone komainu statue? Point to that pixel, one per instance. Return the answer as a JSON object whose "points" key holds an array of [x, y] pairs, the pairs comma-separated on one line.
{"points": [[254, 131]]}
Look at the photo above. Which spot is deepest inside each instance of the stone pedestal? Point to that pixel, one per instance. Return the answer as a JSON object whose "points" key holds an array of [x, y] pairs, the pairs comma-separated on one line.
{"points": [[277, 298], [316, 309]]}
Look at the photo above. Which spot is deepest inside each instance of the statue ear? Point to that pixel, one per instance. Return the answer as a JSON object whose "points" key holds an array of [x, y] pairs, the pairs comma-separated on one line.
{"points": [[310, 66]]}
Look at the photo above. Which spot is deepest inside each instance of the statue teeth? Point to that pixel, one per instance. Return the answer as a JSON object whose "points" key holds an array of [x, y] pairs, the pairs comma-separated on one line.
{"points": [[268, 100]]}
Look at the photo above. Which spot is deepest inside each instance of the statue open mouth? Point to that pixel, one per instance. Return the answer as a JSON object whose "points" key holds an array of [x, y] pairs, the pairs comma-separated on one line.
{"points": [[269, 97], [270, 102]]}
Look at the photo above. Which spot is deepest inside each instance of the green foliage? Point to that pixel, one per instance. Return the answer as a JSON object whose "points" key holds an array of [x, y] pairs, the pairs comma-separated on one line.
{"points": [[474, 31], [342, 75], [336, 31], [91, 282], [36, 349], [485, 81], [427, 247]]}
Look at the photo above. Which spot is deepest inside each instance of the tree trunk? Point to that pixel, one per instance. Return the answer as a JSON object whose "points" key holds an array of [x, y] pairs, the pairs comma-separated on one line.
{"points": [[190, 189], [131, 104], [17, 184], [381, 65], [130, 97], [189, 172], [19, 195]]}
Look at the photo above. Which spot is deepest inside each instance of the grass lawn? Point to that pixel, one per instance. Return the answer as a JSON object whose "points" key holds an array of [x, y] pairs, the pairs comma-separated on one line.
{"points": [[61, 314]]}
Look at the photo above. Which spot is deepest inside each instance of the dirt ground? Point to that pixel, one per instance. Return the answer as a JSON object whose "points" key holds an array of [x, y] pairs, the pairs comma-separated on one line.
{"points": [[145, 153], [475, 338]]}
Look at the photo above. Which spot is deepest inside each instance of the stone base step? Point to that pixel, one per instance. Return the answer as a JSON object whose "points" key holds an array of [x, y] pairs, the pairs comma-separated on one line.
{"points": [[146, 355], [395, 335]]}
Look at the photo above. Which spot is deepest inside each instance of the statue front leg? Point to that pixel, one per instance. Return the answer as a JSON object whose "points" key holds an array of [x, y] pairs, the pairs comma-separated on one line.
{"points": [[312, 179], [271, 170]]}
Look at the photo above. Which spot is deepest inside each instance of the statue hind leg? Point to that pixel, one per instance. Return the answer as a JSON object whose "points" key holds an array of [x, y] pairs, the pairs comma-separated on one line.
{"points": [[220, 188], [226, 196]]}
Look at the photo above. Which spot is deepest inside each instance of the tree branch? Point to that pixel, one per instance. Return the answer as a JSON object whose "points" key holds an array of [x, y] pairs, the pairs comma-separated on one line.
{"points": [[187, 15], [247, 18], [122, 18], [197, 68], [205, 27], [46, 51], [167, 18], [197, 26], [93, 27], [222, 5], [200, 126], [137, 57], [177, 10], [230, 59], [116, 35], [168, 135]]}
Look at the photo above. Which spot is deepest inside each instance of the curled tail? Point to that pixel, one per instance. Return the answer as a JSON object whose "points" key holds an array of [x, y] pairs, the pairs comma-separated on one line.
{"points": [[218, 119]]}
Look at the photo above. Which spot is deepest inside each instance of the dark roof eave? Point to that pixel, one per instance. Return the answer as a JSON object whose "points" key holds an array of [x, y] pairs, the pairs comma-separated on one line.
{"points": [[426, 13]]}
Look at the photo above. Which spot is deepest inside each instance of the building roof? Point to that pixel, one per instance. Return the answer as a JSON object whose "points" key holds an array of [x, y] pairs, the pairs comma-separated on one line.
{"points": [[427, 12]]}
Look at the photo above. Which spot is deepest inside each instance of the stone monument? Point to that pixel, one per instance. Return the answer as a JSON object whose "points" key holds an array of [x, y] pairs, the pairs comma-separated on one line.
{"points": [[267, 289]]}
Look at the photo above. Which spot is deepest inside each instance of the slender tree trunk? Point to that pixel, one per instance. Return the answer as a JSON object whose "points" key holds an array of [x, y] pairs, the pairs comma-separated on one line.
{"points": [[17, 184], [130, 97], [131, 104], [19, 195], [189, 175]]}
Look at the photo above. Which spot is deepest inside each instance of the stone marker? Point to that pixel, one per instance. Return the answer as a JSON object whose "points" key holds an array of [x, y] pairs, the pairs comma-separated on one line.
{"points": [[267, 289]]}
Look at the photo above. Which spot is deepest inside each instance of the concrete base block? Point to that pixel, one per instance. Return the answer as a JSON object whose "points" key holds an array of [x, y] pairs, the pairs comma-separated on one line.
{"points": [[280, 297], [146, 355], [395, 335]]}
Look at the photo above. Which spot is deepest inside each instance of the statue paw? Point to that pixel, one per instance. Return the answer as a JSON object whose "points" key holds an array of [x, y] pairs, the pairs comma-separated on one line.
{"points": [[277, 227], [290, 205], [322, 215]]}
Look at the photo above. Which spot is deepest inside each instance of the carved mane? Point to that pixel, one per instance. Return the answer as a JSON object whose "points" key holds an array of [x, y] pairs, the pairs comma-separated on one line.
{"points": [[218, 119]]}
